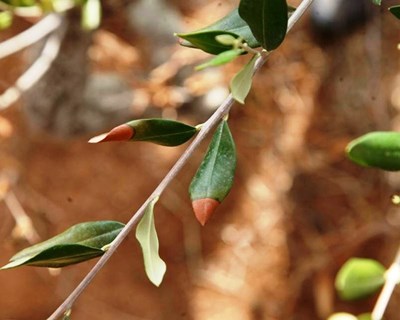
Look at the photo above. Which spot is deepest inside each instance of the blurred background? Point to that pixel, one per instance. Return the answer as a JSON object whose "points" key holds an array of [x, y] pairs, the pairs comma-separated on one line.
{"points": [[298, 209]]}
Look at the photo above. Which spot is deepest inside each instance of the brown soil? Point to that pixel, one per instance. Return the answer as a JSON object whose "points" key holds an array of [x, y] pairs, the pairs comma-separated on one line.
{"points": [[297, 211]]}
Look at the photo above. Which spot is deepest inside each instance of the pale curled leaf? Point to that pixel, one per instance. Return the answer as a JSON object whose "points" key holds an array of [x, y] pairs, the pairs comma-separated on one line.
{"points": [[91, 14], [241, 83], [146, 234], [220, 59]]}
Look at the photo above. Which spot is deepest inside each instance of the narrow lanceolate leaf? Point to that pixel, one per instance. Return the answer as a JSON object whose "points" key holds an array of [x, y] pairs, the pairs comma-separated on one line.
{"points": [[146, 234], [395, 10], [380, 149], [359, 278], [241, 83], [159, 131], [222, 58], [91, 14], [267, 20], [79, 243], [231, 24], [214, 178]]}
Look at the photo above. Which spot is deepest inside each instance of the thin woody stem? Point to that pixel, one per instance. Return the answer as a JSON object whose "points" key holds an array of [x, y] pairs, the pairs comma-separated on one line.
{"points": [[392, 279], [219, 114]]}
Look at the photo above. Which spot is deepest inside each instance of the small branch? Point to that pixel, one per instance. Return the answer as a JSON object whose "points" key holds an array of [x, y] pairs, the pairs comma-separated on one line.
{"points": [[36, 71], [30, 36], [222, 110], [24, 225], [392, 279]]}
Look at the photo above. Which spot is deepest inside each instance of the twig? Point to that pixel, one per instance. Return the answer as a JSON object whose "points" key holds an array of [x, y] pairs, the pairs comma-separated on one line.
{"points": [[36, 71], [392, 279], [30, 36], [24, 224], [222, 110]]}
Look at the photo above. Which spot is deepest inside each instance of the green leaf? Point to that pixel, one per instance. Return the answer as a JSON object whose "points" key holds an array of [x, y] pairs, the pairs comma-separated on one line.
{"points": [[6, 18], [222, 58], [364, 316], [342, 316], [377, 2], [359, 278], [146, 234], [267, 19], [160, 131], [20, 3], [241, 83], [214, 178], [91, 14], [232, 24], [380, 149], [79, 243], [205, 40], [395, 10]]}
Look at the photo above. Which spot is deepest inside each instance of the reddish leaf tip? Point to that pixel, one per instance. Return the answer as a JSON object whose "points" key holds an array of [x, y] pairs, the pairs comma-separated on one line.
{"points": [[120, 133], [204, 208]]}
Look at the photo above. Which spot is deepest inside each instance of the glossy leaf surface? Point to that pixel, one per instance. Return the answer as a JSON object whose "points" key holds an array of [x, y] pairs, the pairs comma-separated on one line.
{"points": [[161, 131], [267, 19], [220, 59], [380, 149], [146, 234], [206, 40], [158, 131], [241, 83], [359, 278], [395, 10], [79, 243], [231, 24], [214, 178]]}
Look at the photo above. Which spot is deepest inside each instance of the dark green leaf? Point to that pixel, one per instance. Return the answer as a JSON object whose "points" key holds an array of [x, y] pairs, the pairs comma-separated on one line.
{"points": [[214, 178], [241, 83], [231, 24], [159, 131], [267, 20], [395, 10], [205, 40], [359, 278], [81, 242], [380, 149], [222, 58], [146, 234]]}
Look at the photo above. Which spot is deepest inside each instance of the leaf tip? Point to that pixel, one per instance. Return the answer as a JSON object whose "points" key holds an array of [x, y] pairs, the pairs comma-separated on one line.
{"points": [[120, 133], [204, 208]]}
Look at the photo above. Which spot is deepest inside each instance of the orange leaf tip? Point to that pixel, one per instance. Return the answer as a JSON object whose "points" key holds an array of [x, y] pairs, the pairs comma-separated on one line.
{"points": [[204, 208], [120, 133]]}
